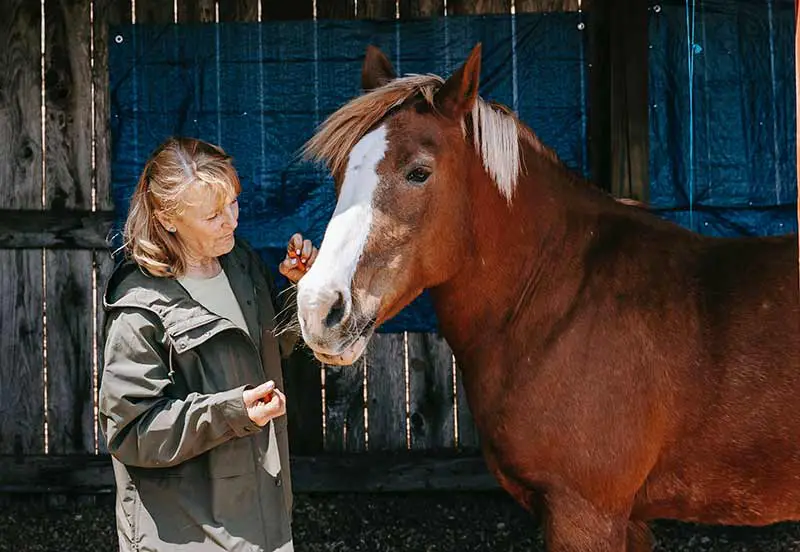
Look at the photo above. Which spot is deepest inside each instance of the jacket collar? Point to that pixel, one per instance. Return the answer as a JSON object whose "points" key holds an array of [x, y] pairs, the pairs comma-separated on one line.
{"points": [[132, 287]]}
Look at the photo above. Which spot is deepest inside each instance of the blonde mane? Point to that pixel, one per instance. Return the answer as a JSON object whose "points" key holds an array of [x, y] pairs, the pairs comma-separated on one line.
{"points": [[496, 130]]}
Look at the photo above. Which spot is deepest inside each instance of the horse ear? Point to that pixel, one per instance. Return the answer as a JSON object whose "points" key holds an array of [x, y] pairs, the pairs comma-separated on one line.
{"points": [[457, 95], [377, 69]]}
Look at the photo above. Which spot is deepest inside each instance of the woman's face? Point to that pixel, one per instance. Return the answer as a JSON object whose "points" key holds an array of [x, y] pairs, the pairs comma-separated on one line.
{"points": [[205, 227]]}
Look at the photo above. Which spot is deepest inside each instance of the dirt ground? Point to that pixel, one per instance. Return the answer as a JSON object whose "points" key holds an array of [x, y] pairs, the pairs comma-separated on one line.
{"points": [[435, 522]]}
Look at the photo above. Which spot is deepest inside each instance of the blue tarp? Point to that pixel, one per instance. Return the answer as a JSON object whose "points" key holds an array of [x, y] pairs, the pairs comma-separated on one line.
{"points": [[722, 142], [259, 90], [725, 166]]}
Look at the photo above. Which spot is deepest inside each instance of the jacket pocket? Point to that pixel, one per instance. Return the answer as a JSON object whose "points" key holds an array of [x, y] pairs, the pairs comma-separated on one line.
{"points": [[232, 458]]}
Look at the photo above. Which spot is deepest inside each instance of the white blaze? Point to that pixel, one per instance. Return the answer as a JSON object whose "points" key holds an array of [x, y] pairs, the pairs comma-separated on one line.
{"points": [[346, 234]]}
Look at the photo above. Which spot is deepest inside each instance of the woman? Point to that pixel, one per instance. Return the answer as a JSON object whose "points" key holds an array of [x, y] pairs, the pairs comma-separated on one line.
{"points": [[190, 401]]}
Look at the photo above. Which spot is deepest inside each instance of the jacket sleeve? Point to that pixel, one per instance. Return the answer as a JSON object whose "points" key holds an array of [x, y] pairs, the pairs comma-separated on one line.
{"points": [[144, 427]]}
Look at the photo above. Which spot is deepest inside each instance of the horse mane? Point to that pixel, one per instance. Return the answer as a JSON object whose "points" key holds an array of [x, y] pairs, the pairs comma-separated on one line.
{"points": [[496, 131]]}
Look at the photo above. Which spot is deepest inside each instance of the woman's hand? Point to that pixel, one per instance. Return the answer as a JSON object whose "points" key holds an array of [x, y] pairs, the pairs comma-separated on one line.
{"points": [[264, 403], [300, 255]]}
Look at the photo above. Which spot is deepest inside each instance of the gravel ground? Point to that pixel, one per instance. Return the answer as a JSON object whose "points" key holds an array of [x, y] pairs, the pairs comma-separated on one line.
{"points": [[440, 522]]}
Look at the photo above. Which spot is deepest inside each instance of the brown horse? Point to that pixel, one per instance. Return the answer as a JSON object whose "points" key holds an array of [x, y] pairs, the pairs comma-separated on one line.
{"points": [[619, 368]]}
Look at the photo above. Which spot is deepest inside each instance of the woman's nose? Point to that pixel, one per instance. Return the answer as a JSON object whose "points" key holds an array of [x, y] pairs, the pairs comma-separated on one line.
{"points": [[231, 217]]}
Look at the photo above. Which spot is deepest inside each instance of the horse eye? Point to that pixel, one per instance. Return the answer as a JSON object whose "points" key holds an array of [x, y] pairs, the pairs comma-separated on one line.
{"points": [[418, 175]]}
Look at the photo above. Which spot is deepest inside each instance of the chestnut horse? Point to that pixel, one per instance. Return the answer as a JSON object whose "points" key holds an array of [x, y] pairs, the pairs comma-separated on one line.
{"points": [[619, 368]]}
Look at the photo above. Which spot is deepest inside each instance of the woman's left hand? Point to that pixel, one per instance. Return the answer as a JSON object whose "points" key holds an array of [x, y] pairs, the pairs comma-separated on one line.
{"points": [[300, 255]]}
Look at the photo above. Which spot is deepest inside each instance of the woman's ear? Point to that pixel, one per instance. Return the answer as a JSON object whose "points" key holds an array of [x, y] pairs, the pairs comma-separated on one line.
{"points": [[165, 221]]}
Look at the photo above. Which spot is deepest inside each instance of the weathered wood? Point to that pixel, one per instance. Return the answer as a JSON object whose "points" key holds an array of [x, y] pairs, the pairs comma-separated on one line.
{"points": [[302, 377], [431, 393], [73, 229], [531, 6], [344, 408], [281, 10], [68, 178], [630, 116], [111, 12], [103, 262], [238, 10], [386, 392], [468, 438], [21, 296], [376, 9], [618, 108], [598, 112], [370, 472], [336, 9], [196, 11], [473, 7], [155, 11], [418, 9]]}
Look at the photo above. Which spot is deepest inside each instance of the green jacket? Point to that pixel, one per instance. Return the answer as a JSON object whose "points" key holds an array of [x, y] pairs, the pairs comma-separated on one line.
{"points": [[190, 465]]}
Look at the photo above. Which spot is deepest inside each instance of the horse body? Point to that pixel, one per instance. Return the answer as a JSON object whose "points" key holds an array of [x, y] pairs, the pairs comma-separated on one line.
{"points": [[619, 368], [643, 355]]}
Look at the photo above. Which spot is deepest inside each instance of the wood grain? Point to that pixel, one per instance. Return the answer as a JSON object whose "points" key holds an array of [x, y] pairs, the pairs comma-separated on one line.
{"points": [[431, 393], [54, 229], [21, 295], [69, 273], [386, 392]]}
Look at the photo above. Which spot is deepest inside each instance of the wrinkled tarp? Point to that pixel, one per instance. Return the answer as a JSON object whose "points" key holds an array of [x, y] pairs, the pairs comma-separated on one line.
{"points": [[259, 90], [723, 167], [722, 143]]}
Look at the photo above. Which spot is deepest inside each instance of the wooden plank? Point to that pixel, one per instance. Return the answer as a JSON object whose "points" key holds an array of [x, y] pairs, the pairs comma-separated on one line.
{"points": [[344, 408], [281, 10], [370, 473], [420, 9], [111, 12], [618, 108], [196, 11], [376, 9], [468, 438], [599, 113], [69, 273], [532, 6], [431, 393], [155, 11], [238, 10], [302, 379], [55, 229], [474, 7], [336, 9], [108, 13], [630, 116], [21, 297], [386, 392]]}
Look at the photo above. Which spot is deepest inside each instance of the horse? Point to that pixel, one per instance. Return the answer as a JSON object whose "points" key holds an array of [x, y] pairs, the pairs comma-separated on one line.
{"points": [[619, 367]]}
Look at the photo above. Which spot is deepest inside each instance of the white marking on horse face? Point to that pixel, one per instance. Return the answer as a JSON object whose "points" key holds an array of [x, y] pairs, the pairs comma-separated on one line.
{"points": [[345, 236]]}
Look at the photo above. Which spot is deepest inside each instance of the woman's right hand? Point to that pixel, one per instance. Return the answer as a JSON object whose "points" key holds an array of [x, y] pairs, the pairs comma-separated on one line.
{"points": [[264, 403]]}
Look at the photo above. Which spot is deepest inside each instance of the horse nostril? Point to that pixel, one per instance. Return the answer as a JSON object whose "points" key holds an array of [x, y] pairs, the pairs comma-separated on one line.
{"points": [[336, 313]]}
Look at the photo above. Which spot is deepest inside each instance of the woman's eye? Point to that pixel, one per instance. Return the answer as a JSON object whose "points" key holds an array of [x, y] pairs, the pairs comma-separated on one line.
{"points": [[418, 175]]}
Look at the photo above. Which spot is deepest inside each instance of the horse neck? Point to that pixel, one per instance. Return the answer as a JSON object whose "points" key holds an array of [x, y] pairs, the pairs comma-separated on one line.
{"points": [[518, 271]]}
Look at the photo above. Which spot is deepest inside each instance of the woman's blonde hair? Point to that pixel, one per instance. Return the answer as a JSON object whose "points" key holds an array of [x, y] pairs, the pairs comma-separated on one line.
{"points": [[173, 167]]}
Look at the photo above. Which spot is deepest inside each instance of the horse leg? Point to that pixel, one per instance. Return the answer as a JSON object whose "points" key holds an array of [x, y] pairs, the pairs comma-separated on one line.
{"points": [[640, 539], [575, 525]]}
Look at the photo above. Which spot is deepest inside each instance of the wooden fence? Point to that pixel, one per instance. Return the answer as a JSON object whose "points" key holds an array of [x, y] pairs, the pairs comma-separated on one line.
{"points": [[402, 404]]}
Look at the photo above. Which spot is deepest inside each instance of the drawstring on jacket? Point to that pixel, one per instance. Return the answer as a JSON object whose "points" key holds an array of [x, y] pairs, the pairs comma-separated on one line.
{"points": [[171, 373]]}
